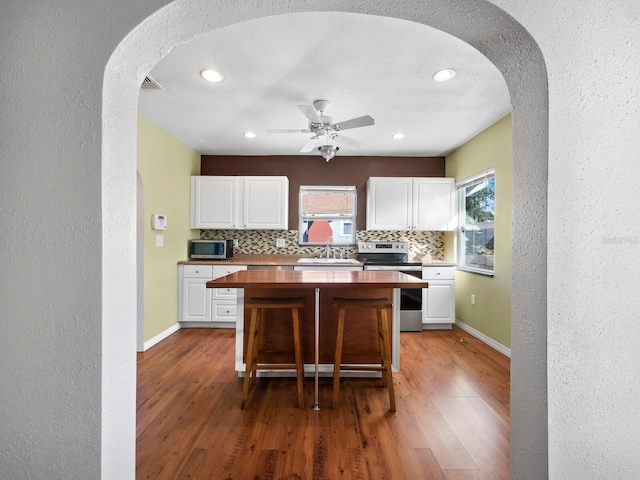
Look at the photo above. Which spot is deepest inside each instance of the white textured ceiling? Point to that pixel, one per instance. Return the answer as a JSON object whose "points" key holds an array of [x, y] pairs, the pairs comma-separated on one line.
{"points": [[362, 64]]}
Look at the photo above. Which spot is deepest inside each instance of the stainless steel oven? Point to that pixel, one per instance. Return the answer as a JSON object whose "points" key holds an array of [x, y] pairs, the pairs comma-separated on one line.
{"points": [[394, 256]]}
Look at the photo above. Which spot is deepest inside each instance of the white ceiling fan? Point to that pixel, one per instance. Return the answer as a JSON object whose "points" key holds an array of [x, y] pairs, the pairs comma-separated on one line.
{"points": [[323, 128]]}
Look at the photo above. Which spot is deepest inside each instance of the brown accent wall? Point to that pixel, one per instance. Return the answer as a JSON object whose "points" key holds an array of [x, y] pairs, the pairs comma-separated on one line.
{"points": [[313, 170]]}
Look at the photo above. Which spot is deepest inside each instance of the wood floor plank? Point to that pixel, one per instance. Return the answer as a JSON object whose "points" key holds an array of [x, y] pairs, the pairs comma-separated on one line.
{"points": [[480, 446], [451, 423]]}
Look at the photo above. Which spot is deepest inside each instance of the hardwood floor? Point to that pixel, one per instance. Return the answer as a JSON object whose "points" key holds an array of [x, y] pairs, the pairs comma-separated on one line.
{"points": [[452, 418]]}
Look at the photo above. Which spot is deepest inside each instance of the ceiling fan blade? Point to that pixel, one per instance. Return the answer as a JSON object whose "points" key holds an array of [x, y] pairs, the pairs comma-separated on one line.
{"points": [[310, 113], [355, 123], [346, 140], [309, 145], [288, 130]]}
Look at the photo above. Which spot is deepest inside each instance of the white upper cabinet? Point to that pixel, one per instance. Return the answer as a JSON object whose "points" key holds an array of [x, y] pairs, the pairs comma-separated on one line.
{"points": [[404, 203], [215, 202], [266, 203], [434, 203], [233, 202], [389, 203]]}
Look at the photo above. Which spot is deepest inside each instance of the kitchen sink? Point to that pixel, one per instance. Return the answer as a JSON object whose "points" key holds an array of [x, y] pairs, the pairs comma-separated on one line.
{"points": [[327, 260]]}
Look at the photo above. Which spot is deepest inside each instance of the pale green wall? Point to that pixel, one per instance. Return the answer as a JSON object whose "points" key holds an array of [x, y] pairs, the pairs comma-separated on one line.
{"points": [[165, 166], [491, 314]]}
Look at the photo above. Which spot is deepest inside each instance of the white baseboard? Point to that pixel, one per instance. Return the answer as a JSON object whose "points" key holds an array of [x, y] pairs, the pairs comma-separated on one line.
{"points": [[484, 339], [158, 338]]}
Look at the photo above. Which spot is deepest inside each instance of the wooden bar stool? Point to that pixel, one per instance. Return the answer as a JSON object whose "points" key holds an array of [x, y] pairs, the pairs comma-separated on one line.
{"points": [[257, 306], [383, 309]]}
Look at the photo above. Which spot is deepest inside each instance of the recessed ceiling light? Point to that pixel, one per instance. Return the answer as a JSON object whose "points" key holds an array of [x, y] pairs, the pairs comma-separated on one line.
{"points": [[398, 136], [249, 134], [444, 74], [212, 76]]}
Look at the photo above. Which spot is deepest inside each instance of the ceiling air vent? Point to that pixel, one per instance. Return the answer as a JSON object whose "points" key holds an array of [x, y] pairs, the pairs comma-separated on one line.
{"points": [[150, 84]]}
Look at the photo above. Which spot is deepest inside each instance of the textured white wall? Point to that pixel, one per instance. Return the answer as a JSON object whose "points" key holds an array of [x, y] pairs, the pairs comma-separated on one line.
{"points": [[590, 48], [67, 361]]}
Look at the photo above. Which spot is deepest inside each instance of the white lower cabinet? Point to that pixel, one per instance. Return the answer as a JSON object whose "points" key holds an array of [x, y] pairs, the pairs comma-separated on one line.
{"points": [[197, 303], [439, 300]]}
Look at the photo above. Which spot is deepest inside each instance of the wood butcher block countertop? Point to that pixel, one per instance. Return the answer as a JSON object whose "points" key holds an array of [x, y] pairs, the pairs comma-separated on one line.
{"points": [[317, 279]]}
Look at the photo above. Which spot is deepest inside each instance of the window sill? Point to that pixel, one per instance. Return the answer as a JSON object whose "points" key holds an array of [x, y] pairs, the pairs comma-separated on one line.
{"points": [[476, 271]]}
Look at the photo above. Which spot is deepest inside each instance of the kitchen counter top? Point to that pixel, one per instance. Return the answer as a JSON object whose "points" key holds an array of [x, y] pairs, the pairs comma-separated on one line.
{"points": [[261, 259], [438, 263], [292, 260]]}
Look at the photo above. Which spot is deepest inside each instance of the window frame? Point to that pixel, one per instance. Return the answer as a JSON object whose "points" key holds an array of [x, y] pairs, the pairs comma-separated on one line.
{"points": [[345, 218], [461, 186]]}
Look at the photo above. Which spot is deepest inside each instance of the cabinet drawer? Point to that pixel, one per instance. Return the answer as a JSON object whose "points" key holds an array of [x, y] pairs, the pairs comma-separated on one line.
{"points": [[198, 271], [222, 270], [224, 293], [439, 273], [225, 311]]}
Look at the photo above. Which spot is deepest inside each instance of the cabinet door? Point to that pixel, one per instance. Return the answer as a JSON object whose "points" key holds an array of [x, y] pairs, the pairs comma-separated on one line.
{"points": [[389, 203], [266, 203], [214, 202], [196, 300], [433, 203], [439, 302]]}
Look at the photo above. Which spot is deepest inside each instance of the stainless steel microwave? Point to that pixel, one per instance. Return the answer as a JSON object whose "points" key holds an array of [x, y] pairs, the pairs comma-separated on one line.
{"points": [[211, 249]]}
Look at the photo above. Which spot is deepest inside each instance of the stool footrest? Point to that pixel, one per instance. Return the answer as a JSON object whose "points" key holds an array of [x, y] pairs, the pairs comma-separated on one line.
{"points": [[363, 368], [275, 366]]}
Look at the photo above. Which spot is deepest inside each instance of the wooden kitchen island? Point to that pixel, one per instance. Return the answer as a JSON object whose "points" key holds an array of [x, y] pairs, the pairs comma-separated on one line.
{"points": [[319, 317]]}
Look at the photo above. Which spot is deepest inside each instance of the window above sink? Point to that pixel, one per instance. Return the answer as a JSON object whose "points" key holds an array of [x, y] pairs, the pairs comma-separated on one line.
{"points": [[327, 215]]}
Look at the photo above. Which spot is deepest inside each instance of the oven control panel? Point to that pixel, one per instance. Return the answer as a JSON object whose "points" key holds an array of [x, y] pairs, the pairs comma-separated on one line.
{"points": [[383, 247]]}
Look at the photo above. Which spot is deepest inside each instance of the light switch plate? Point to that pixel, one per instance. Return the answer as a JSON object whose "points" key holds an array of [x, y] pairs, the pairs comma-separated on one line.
{"points": [[159, 240], [280, 242]]}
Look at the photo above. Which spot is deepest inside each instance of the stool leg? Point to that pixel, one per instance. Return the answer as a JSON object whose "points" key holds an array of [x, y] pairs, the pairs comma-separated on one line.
{"points": [[387, 358], [250, 356], [256, 345], [338, 358], [381, 343], [297, 344]]}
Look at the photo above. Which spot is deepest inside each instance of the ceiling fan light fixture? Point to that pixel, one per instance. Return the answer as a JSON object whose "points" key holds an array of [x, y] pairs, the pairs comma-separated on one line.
{"points": [[444, 74], [328, 151], [212, 76]]}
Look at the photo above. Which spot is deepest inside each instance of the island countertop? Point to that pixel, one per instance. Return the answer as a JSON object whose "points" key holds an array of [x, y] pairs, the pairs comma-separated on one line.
{"points": [[290, 279]]}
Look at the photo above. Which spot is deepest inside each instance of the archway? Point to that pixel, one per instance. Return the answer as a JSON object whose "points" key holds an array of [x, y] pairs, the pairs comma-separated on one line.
{"points": [[481, 24]]}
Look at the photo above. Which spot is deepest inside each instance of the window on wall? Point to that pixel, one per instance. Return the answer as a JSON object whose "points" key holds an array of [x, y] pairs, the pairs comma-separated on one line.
{"points": [[476, 208], [327, 215]]}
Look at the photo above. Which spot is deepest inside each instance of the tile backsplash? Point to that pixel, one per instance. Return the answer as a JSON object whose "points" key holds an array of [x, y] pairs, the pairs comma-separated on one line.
{"points": [[264, 241]]}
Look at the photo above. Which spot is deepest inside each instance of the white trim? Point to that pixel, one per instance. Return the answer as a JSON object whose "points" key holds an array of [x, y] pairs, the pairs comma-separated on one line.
{"points": [[483, 338], [484, 175], [161, 336]]}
